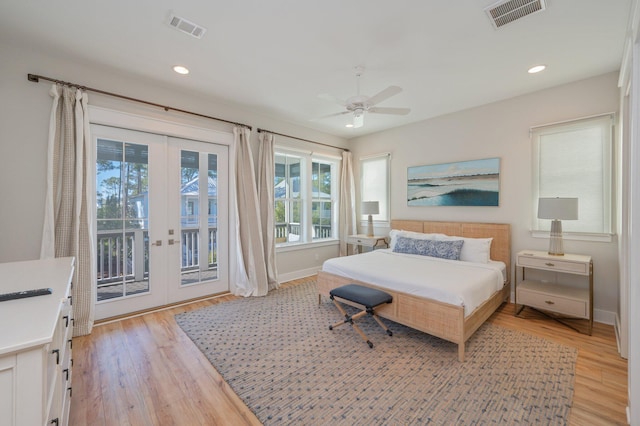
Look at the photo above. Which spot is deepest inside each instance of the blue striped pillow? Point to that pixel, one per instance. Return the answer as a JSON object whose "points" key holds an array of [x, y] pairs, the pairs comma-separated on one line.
{"points": [[449, 249]]}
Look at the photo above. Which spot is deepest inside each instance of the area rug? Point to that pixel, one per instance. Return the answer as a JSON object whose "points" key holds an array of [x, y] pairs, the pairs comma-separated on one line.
{"points": [[279, 356]]}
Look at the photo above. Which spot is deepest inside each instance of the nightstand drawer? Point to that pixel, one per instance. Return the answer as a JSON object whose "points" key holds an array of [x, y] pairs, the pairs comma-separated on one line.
{"points": [[553, 265], [552, 297], [361, 241]]}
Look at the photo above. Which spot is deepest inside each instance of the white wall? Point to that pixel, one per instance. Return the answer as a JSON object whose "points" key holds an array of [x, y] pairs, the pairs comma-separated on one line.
{"points": [[24, 121], [501, 130]]}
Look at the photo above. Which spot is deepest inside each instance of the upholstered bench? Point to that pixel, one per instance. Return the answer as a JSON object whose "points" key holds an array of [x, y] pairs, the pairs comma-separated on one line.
{"points": [[368, 298]]}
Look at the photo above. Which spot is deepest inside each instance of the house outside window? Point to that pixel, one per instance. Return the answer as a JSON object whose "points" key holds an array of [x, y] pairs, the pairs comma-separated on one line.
{"points": [[574, 159], [305, 195]]}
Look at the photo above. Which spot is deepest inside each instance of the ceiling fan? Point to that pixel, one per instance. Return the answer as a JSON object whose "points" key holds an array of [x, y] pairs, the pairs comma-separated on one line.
{"points": [[359, 104]]}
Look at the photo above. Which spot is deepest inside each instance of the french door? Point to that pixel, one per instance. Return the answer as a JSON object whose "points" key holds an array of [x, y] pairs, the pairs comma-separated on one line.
{"points": [[161, 220]]}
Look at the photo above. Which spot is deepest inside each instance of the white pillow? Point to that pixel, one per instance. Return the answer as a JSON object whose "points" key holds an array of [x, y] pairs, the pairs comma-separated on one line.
{"points": [[395, 233], [476, 250]]}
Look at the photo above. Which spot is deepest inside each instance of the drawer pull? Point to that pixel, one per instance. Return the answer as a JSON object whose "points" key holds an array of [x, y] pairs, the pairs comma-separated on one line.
{"points": [[549, 302], [57, 352], [66, 320], [66, 372], [54, 422], [550, 264]]}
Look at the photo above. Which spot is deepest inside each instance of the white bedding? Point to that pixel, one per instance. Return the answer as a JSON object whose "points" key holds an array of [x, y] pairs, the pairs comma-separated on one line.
{"points": [[449, 281]]}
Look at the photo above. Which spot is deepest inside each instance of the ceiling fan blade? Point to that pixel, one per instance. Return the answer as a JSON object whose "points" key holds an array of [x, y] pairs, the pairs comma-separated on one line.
{"points": [[394, 111], [331, 98], [384, 95], [330, 115]]}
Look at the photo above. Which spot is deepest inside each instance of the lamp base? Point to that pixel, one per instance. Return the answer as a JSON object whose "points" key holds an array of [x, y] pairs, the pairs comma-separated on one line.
{"points": [[556, 246], [370, 227]]}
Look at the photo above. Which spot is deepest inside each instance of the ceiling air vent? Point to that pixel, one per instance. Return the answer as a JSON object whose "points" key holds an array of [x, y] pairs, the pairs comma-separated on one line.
{"points": [[186, 26], [505, 12]]}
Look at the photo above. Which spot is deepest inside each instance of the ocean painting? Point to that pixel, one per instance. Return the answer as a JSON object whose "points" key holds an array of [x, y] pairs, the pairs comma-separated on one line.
{"points": [[465, 183]]}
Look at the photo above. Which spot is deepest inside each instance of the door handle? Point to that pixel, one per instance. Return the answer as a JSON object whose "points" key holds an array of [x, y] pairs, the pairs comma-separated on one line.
{"points": [[157, 243]]}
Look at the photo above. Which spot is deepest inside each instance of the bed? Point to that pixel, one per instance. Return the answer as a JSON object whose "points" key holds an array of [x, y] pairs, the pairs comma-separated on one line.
{"points": [[446, 320]]}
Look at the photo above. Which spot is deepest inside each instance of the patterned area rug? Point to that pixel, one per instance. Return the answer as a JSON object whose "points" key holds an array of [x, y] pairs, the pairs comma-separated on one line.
{"points": [[278, 355]]}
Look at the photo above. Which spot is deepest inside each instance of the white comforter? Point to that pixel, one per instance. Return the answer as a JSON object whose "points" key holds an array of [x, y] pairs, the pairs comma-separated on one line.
{"points": [[450, 281]]}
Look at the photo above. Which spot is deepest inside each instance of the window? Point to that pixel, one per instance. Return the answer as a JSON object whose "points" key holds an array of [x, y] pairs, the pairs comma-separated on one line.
{"points": [[374, 184], [574, 160], [305, 197]]}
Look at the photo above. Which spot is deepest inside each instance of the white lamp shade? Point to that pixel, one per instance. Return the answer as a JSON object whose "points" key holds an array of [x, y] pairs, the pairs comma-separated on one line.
{"points": [[370, 207], [558, 208]]}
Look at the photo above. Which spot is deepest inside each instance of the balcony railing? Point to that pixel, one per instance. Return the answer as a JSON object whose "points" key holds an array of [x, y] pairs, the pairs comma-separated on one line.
{"points": [[124, 256], [290, 232]]}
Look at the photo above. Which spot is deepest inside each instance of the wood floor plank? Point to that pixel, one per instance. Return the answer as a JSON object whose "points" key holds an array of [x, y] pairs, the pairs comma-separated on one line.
{"points": [[145, 371]]}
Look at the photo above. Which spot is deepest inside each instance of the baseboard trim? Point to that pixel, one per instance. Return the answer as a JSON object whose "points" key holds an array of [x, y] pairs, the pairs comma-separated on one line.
{"points": [[295, 275], [604, 317]]}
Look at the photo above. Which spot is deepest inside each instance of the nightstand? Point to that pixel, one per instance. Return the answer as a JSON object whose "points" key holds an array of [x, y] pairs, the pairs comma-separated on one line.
{"points": [[362, 240], [558, 300]]}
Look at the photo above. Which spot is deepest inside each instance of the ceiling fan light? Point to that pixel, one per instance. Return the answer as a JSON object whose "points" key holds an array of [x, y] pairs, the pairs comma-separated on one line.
{"points": [[358, 119], [536, 69], [181, 70]]}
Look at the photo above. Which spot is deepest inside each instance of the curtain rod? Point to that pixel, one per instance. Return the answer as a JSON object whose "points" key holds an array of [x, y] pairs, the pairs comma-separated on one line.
{"points": [[36, 79], [300, 139]]}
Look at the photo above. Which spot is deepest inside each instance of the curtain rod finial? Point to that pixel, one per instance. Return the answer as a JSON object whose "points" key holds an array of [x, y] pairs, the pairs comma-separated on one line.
{"points": [[33, 77]]}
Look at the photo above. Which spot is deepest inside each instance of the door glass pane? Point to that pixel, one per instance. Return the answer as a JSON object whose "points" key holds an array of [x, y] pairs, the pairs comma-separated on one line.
{"points": [[198, 234], [122, 193], [212, 220]]}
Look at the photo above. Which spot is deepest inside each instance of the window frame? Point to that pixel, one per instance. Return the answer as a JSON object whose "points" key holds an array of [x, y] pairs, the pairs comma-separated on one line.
{"points": [[539, 227], [307, 159]]}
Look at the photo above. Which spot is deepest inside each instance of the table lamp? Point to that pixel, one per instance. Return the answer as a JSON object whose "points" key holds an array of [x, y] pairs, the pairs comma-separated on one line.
{"points": [[557, 209], [370, 207]]}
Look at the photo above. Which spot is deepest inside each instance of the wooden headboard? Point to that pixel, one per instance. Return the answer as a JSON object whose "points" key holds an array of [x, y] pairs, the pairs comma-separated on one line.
{"points": [[500, 232]]}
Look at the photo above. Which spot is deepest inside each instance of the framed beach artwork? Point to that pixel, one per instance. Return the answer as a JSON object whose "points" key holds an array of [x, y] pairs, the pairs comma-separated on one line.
{"points": [[464, 183]]}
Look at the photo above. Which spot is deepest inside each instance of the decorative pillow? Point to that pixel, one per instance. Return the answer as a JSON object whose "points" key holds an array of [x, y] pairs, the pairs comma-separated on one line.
{"points": [[449, 249], [476, 250], [395, 233]]}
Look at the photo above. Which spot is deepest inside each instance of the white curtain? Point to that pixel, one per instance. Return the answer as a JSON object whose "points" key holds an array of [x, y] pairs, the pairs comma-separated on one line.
{"points": [[251, 273], [266, 177], [347, 213], [68, 219]]}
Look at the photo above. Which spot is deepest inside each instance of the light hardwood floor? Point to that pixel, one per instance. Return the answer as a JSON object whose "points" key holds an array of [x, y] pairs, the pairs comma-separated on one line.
{"points": [[145, 371]]}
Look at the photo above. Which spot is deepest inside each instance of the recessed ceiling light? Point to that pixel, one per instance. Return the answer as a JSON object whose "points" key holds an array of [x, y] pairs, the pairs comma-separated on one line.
{"points": [[180, 69], [536, 69], [350, 125]]}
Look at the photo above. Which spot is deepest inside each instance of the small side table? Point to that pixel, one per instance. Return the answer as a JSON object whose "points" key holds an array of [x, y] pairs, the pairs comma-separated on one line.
{"points": [[374, 242], [560, 301]]}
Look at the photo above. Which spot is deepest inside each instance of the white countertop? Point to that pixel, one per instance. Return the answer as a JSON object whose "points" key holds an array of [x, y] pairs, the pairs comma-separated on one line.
{"points": [[31, 321]]}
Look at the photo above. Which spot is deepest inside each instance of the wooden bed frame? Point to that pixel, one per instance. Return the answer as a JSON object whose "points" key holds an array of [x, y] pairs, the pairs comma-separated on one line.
{"points": [[431, 316]]}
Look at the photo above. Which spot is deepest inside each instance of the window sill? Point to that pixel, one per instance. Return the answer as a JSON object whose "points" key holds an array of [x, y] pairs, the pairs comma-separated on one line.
{"points": [[577, 236], [285, 247]]}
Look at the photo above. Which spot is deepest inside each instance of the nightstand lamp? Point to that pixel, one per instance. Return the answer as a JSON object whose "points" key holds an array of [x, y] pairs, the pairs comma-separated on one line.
{"points": [[557, 209], [370, 208]]}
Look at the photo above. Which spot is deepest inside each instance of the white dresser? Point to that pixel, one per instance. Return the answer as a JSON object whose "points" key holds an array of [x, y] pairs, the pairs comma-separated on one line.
{"points": [[35, 343]]}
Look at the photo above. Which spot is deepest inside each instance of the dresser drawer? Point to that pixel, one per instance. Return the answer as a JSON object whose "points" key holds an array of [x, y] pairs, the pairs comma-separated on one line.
{"points": [[555, 298], [559, 265]]}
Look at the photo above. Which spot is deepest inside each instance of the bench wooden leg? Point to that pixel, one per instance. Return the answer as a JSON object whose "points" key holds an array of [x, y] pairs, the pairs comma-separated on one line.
{"points": [[352, 318]]}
